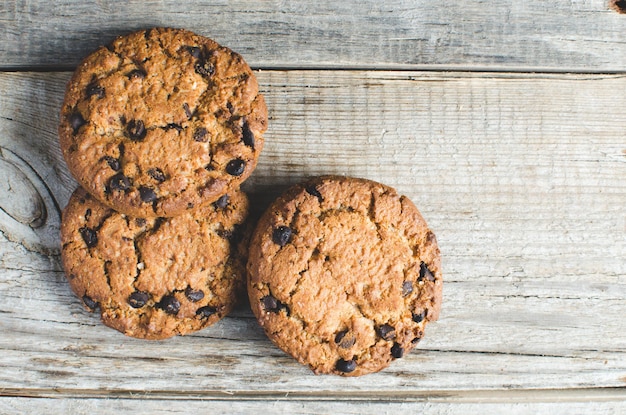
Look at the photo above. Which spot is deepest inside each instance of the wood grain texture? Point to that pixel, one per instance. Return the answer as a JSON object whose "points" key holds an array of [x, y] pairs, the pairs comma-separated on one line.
{"points": [[521, 177], [559, 35], [285, 405]]}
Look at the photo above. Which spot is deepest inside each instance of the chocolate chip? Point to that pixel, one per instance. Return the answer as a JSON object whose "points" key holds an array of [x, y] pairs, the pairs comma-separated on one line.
{"points": [[194, 295], [425, 273], [314, 192], [87, 214], [222, 202], [157, 174], [270, 303], [169, 304], [113, 163], [138, 299], [206, 311], [76, 121], [386, 331], [416, 340], [236, 167], [173, 126], [200, 135], [345, 366], [282, 235], [89, 302], [96, 90], [137, 74], [407, 288], [343, 341], [205, 68], [397, 351], [248, 135], [195, 51], [419, 317], [187, 110], [147, 194], [136, 130], [141, 222], [119, 182], [89, 236]]}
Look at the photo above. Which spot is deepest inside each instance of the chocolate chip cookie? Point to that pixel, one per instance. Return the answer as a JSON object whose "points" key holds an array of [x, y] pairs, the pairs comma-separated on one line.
{"points": [[154, 278], [161, 121], [344, 274]]}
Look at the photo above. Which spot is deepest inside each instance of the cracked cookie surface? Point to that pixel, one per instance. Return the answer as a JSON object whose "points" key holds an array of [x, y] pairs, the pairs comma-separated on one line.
{"points": [[154, 278], [162, 121], [344, 274]]}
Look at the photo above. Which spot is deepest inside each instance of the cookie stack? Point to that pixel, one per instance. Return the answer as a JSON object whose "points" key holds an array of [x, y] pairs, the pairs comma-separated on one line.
{"points": [[159, 128]]}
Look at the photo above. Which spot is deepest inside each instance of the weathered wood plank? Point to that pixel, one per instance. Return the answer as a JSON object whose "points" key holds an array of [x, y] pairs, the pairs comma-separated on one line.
{"points": [[560, 35], [521, 176], [150, 405]]}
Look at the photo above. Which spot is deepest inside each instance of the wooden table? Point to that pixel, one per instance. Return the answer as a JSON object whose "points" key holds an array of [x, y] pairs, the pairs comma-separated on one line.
{"points": [[504, 121]]}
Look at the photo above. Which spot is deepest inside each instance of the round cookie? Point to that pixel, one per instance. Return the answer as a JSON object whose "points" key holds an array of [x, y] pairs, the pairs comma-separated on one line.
{"points": [[154, 278], [344, 274], [161, 121]]}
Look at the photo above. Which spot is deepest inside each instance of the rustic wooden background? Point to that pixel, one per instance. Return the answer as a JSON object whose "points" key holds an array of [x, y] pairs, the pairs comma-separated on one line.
{"points": [[504, 121]]}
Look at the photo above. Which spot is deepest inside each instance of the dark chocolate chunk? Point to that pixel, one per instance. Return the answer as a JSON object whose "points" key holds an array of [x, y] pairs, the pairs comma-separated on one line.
{"points": [[419, 317], [119, 182], [206, 311], [282, 235], [87, 214], [173, 126], [89, 302], [201, 135], [138, 299], [416, 340], [397, 351], [141, 222], [271, 303], [137, 74], [93, 89], [222, 202], [194, 295], [195, 51], [89, 236], [407, 288], [386, 331], [157, 174], [76, 121], [187, 110], [345, 366], [344, 341], [248, 135], [312, 190], [425, 273], [147, 194], [136, 130], [236, 167], [169, 304], [205, 68], [113, 163]]}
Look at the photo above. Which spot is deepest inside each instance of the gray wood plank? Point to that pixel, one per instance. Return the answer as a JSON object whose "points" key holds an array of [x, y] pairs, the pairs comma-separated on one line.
{"points": [[521, 176], [560, 35], [287, 405]]}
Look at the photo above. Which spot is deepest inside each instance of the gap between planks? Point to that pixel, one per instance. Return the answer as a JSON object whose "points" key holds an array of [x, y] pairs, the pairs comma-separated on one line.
{"points": [[463, 69], [485, 396]]}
